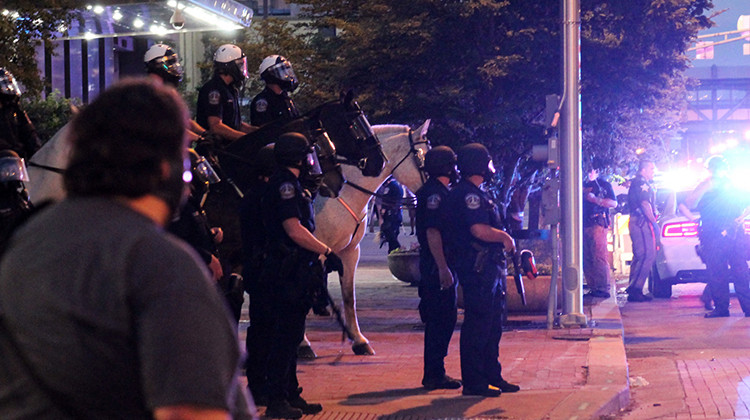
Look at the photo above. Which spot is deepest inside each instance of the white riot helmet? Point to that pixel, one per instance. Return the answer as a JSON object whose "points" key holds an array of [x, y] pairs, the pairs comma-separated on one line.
{"points": [[278, 70], [8, 85], [162, 61], [229, 59]]}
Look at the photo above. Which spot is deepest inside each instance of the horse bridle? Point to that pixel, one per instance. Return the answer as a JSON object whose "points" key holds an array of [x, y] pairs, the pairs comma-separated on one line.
{"points": [[412, 152]]}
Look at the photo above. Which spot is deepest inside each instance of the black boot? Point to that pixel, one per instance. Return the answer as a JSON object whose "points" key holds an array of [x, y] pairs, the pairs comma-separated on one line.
{"points": [[282, 410]]}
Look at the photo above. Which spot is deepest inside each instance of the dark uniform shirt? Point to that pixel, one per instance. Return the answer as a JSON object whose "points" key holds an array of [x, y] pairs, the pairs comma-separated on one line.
{"points": [[430, 215], [217, 99], [468, 205], [640, 190], [285, 199], [268, 106], [17, 133], [393, 197], [593, 214]]}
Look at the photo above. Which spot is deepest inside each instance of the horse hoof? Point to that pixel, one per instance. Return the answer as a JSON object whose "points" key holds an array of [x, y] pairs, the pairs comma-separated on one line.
{"points": [[363, 349], [306, 353]]}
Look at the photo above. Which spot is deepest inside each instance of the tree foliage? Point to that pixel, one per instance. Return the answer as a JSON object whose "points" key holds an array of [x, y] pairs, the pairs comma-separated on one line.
{"points": [[25, 25], [480, 69]]}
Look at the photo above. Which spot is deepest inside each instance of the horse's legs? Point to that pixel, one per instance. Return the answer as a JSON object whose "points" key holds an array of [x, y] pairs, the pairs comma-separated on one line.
{"points": [[350, 258]]}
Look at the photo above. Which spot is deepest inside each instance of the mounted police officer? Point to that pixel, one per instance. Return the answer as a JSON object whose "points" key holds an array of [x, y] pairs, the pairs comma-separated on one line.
{"points": [[722, 238], [437, 287], [477, 242], [219, 99], [598, 198], [643, 229], [291, 269], [273, 102], [17, 133], [163, 65]]}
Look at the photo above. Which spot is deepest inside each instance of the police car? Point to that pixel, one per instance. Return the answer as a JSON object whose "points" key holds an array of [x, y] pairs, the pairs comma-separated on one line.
{"points": [[677, 259]]}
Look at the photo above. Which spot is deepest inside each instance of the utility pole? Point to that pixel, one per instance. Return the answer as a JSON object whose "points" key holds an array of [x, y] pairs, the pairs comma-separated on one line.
{"points": [[570, 168]]}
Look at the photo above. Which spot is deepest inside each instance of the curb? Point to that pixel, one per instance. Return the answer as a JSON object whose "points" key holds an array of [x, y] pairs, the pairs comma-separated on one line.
{"points": [[607, 388]]}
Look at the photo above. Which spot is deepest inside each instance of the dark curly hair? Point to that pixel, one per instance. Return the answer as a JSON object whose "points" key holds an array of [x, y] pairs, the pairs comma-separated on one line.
{"points": [[120, 140]]}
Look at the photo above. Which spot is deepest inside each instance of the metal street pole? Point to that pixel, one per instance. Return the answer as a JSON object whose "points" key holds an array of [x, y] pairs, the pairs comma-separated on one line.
{"points": [[570, 169]]}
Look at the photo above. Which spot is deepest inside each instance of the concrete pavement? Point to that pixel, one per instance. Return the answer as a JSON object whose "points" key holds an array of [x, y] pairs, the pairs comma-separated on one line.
{"points": [[578, 373]]}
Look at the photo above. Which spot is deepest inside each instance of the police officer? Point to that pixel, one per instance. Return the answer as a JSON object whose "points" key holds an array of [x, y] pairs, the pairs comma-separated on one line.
{"points": [[392, 196], [15, 204], [722, 236], [476, 242], [218, 100], [437, 288], [254, 251], [598, 198], [17, 133], [163, 65], [292, 255], [643, 231], [273, 102]]}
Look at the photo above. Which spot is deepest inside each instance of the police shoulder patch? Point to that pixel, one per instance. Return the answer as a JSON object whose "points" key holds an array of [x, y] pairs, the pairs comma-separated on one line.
{"points": [[472, 201], [261, 105], [214, 97], [433, 201], [286, 190]]}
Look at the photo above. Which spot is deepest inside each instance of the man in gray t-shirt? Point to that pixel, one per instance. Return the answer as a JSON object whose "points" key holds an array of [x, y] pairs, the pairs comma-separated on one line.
{"points": [[102, 313]]}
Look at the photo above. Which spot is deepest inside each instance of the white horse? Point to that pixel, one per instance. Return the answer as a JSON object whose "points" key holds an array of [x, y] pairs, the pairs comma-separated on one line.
{"points": [[45, 166], [341, 222]]}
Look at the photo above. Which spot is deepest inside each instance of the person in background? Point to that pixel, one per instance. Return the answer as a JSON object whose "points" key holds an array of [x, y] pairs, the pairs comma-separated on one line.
{"points": [[390, 213], [133, 327], [723, 243], [643, 230], [437, 287], [598, 199]]}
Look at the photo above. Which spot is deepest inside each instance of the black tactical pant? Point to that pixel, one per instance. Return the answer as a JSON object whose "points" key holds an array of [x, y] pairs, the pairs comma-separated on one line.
{"points": [[482, 329], [726, 261], [438, 311]]}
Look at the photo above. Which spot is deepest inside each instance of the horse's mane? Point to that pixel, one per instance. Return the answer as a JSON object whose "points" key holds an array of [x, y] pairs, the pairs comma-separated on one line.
{"points": [[389, 129]]}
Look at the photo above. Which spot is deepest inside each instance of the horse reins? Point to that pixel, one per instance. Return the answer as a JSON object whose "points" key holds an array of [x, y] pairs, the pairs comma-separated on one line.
{"points": [[47, 168]]}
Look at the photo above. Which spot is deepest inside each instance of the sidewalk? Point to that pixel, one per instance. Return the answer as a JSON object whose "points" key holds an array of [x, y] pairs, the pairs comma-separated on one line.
{"points": [[576, 373]]}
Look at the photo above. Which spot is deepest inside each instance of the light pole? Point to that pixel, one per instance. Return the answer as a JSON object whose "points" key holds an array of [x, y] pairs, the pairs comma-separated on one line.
{"points": [[570, 168]]}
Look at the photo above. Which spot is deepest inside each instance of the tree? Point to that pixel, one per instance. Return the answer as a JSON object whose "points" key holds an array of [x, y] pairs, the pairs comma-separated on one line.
{"points": [[633, 86], [26, 24]]}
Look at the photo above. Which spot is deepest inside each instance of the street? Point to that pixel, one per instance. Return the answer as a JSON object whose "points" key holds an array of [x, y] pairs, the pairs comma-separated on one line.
{"points": [[682, 366]]}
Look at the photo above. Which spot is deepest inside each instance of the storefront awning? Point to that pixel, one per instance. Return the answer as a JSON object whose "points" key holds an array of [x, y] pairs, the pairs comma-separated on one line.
{"points": [[158, 18]]}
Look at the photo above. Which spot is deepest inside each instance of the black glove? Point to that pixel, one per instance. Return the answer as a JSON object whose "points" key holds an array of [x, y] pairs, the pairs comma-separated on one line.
{"points": [[334, 263]]}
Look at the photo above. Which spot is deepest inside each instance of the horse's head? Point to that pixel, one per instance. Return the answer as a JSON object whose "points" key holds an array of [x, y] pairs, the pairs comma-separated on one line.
{"points": [[406, 149], [351, 133]]}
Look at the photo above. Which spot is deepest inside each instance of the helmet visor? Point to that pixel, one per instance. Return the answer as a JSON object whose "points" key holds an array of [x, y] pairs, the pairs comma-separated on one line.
{"points": [[9, 86], [313, 163], [325, 145], [361, 128], [13, 169], [205, 172], [172, 65], [283, 73], [241, 64]]}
